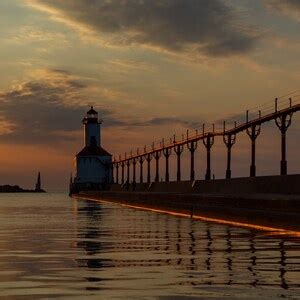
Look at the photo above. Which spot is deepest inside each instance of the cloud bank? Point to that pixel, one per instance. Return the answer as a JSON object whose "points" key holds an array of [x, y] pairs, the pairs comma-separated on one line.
{"points": [[206, 27], [49, 108], [43, 110], [289, 8]]}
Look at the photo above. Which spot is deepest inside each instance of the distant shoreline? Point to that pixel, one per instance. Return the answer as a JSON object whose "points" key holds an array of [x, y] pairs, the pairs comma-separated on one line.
{"points": [[16, 189]]}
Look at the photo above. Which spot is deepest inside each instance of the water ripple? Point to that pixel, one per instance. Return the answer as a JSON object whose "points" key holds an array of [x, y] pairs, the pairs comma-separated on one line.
{"points": [[55, 247]]}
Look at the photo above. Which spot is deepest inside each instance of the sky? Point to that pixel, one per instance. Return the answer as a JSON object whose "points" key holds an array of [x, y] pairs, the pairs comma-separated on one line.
{"points": [[151, 69]]}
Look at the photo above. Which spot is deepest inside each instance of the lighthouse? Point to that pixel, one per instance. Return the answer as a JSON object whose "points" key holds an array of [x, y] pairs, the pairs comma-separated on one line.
{"points": [[92, 128], [93, 162]]}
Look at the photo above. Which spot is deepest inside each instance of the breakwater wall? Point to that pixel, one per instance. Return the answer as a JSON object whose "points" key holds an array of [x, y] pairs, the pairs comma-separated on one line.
{"points": [[282, 185], [272, 201]]}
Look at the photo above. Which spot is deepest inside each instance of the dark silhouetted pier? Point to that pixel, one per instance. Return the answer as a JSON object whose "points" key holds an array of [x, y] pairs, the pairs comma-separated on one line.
{"points": [[268, 201]]}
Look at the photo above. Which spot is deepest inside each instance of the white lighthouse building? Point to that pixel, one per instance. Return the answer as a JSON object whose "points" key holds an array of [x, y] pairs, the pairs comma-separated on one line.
{"points": [[92, 163]]}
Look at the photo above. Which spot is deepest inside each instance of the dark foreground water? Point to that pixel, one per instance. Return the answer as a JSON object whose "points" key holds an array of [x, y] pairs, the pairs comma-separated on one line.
{"points": [[52, 246]]}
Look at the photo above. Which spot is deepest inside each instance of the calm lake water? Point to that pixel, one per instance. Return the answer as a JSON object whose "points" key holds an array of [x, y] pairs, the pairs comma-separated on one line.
{"points": [[52, 246]]}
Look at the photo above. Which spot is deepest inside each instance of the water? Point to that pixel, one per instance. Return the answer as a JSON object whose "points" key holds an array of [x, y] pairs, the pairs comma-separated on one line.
{"points": [[52, 246]]}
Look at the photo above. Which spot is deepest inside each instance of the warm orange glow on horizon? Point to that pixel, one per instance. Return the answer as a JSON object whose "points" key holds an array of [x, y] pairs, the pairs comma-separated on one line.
{"points": [[20, 164]]}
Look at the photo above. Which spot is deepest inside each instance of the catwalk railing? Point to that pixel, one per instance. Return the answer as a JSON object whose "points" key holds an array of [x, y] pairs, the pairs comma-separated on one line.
{"points": [[280, 110]]}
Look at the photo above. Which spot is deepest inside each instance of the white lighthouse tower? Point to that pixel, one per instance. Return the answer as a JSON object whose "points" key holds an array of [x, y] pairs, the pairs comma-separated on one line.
{"points": [[92, 128], [93, 163]]}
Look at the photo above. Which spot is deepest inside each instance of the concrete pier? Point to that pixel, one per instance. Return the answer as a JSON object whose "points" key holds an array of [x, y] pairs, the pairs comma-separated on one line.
{"points": [[272, 201]]}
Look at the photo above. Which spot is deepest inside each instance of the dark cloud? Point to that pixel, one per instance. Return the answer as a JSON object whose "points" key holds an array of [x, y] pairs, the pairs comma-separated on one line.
{"points": [[43, 111], [50, 110], [61, 71], [286, 7], [161, 121], [204, 26]]}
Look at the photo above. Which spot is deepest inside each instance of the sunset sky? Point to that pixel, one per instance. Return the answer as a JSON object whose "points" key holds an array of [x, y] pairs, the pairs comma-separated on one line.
{"points": [[151, 69]]}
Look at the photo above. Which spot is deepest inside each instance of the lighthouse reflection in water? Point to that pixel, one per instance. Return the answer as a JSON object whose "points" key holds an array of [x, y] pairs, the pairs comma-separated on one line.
{"points": [[55, 247]]}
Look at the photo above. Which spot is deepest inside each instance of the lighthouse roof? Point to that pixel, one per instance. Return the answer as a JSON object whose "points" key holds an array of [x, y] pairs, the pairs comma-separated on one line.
{"points": [[93, 151], [92, 111]]}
